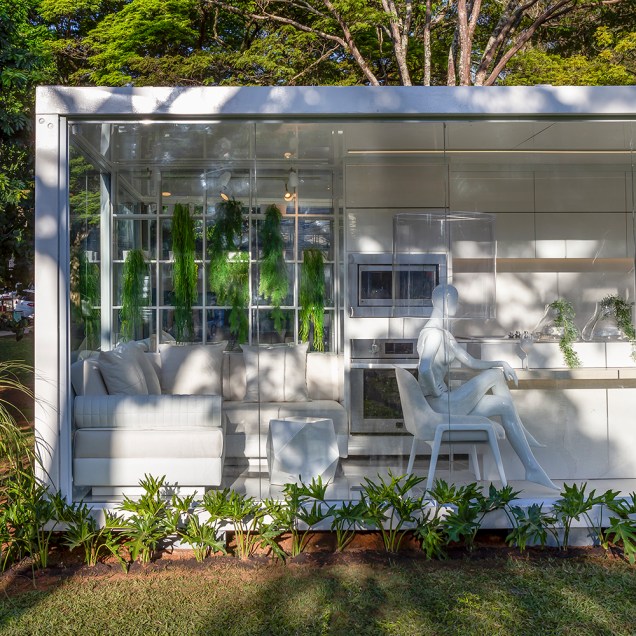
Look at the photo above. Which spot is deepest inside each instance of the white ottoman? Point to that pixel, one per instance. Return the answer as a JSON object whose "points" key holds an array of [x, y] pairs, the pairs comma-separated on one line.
{"points": [[301, 449]]}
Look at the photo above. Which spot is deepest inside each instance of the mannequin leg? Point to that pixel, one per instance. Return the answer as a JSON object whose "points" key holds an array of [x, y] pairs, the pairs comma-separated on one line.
{"points": [[503, 406]]}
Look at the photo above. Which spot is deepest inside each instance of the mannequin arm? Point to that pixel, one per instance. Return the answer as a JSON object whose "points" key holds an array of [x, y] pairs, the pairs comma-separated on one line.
{"points": [[481, 365]]}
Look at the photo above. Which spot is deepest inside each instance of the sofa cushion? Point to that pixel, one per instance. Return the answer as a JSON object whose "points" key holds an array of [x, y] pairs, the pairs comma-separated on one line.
{"points": [[276, 373], [135, 352], [121, 373], [325, 376], [119, 443], [86, 378], [149, 412], [192, 369]]}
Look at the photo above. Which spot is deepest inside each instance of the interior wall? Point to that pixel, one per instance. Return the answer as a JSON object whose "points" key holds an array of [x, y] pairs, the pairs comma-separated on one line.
{"points": [[562, 229]]}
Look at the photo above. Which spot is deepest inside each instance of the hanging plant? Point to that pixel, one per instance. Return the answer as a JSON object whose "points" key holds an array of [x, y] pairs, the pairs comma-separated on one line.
{"points": [[185, 272], [229, 268], [274, 283], [89, 293], [564, 319], [312, 298], [622, 311], [133, 298]]}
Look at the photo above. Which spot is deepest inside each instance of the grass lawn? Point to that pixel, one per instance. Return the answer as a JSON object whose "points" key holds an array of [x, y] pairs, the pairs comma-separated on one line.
{"points": [[498, 595]]}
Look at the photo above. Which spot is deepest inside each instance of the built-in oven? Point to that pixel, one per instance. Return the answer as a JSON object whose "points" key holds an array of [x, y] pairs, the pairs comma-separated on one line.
{"points": [[374, 395], [388, 286]]}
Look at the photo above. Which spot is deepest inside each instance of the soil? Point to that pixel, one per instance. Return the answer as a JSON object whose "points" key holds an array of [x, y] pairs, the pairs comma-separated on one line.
{"points": [[489, 552]]}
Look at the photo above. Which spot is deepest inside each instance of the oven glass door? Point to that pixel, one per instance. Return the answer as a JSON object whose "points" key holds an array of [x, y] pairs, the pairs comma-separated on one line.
{"points": [[376, 402], [386, 285]]}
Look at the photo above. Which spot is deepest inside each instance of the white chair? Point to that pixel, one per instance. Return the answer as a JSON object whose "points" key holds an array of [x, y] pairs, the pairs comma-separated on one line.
{"points": [[441, 428]]}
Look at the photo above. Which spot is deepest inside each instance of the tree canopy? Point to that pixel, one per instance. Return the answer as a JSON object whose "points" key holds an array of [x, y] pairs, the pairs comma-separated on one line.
{"points": [[286, 42], [376, 42], [24, 63]]}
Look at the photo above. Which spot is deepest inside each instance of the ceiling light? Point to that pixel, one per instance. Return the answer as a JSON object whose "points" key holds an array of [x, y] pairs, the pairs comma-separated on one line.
{"points": [[166, 194]]}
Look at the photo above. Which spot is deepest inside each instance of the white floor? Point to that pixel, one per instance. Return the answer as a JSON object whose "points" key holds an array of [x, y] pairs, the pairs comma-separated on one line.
{"points": [[352, 472]]}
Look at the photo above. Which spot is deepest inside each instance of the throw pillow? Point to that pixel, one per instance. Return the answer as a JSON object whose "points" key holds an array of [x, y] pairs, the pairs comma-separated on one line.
{"points": [[121, 373], [276, 373], [192, 369], [136, 353]]}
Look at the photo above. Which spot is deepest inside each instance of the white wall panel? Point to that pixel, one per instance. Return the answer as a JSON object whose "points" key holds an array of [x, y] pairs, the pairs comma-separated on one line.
{"points": [[582, 192], [406, 186], [492, 191], [515, 235]]}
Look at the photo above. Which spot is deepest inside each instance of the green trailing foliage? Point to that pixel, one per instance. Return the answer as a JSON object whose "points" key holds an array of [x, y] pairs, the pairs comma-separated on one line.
{"points": [[185, 272], [565, 319], [133, 296], [622, 311], [89, 295], [274, 283], [228, 276], [312, 298]]}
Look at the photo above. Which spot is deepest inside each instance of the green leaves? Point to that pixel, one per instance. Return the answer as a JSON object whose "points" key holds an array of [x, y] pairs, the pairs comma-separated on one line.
{"points": [[389, 504], [229, 269], [133, 295], [565, 319], [274, 283], [312, 298], [185, 272]]}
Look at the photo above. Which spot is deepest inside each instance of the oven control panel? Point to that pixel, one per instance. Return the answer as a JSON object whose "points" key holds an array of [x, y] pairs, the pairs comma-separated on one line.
{"points": [[387, 350]]}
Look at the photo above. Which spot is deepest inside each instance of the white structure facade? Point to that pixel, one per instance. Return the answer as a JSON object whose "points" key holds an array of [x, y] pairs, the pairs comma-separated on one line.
{"points": [[552, 170]]}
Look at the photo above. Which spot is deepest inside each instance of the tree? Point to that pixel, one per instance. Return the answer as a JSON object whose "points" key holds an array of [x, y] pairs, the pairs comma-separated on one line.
{"points": [[23, 64], [597, 48], [391, 41], [183, 42]]}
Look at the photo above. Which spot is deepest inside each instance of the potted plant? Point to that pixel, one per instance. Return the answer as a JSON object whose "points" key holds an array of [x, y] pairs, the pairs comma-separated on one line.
{"points": [[185, 272], [273, 284], [612, 320], [558, 322], [312, 298], [229, 268], [133, 297]]}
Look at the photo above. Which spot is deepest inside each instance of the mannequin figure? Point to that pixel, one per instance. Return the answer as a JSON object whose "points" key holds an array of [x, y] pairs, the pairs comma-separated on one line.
{"points": [[486, 394]]}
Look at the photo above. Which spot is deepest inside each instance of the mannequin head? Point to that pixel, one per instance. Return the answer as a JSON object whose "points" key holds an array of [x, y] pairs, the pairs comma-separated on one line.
{"points": [[445, 299]]}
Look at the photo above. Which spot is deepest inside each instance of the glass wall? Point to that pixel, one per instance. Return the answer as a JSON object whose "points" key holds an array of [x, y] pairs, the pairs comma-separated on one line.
{"points": [[559, 195]]}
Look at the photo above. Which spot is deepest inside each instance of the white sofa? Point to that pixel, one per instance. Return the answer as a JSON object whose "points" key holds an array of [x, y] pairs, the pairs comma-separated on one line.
{"points": [[199, 404], [247, 423]]}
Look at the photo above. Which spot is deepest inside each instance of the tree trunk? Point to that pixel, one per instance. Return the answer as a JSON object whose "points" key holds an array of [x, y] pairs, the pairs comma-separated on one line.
{"points": [[427, 45], [464, 43]]}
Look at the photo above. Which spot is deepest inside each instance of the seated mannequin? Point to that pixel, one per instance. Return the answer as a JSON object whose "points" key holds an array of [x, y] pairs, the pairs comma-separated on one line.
{"points": [[486, 394]]}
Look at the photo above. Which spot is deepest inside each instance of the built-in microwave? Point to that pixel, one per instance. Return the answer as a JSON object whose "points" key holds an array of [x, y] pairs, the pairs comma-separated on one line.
{"points": [[384, 285]]}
